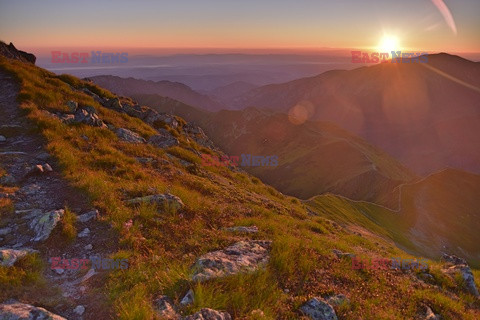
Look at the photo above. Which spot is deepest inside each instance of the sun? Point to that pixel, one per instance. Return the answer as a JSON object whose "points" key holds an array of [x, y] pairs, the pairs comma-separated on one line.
{"points": [[388, 43]]}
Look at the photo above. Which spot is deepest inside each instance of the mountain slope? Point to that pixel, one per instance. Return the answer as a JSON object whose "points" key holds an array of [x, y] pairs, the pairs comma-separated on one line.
{"points": [[424, 114], [175, 90]]}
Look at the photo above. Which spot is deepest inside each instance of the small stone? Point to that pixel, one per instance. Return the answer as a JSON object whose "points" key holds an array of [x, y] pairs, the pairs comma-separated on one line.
{"points": [[88, 247], [47, 167], [79, 310], [429, 315], [188, 299], [59, 271], [45, 223], [88, 216], [85, 233], [165, 308], [3, 139], [209, 314], [5, 231], [319, 309]]}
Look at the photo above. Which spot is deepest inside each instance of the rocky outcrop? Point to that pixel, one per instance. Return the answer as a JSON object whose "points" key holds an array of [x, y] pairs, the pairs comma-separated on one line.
{"points": [[165, 200], [43, 224], [243, 256], [209, 314], [163, 140], [14, 310], [9, 51], [8, 257], [457, 265], [165, 308], [88, 115], [318, 309], [129, 136]]}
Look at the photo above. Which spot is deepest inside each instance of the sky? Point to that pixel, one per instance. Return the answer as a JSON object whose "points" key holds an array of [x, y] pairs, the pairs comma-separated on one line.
{"points": [[246, 24]]}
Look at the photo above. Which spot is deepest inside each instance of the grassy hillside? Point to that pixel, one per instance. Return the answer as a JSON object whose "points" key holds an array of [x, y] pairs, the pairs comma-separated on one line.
{"points": [[161, 244]]}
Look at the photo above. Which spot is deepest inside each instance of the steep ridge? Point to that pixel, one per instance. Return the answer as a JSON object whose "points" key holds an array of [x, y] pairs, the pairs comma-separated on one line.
{"points": [[212, 243], [424, 114]]}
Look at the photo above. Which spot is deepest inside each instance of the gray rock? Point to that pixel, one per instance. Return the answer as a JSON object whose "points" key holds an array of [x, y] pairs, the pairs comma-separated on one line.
{"points": [[85, 233], [165, 308], [164, 139], [162, 200], [88, 247], [14, 310], [79, 310], [88, 115], [44, 156], [243, 256], [8, 257], [129, 136], [251, 229], [88, 216], [72, 106], [318, 309], [461, 266], [45, 223], [5, 231], [114, 103], [188, 298], [209, 314], [3, 139], [59, 271], [47, 168], [341, 254]]}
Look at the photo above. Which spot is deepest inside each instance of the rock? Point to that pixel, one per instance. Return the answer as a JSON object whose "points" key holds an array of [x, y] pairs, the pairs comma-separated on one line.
{"points": [[162, 200], [337, 300], [8, 257], [91, 272], [252, 229], [43, 156], [163, 140], [45, 223], [460, 266], [88, 115], [318, 309], [72, 106], [88, 247], [114, 103], [188, 298], [5, 231], [79, 310], [129, 136], [38, 169], [9, 51], [165, 308], [94, 96], [341, 254], [209, 314], [243, 256], [59, 271], [3, 139], [85, 233], [14, 310], [8, 180], [257, 313], [88, 216], [47, 168], [429, 315]]}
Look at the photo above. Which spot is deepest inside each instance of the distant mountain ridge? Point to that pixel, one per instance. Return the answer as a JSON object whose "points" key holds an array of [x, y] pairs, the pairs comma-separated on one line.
{"points": [[175, 90], [427, 115]]}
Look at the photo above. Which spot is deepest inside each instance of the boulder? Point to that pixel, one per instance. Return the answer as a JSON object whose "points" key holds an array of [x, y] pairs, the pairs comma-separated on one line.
{"points": [[88, 115], [318, 309], [43, 224], [14, 310], [188, 298], [163, 140], [167, 200], [458, 265], [8, 257], [129, 136], [243, 256], [209, 314]]}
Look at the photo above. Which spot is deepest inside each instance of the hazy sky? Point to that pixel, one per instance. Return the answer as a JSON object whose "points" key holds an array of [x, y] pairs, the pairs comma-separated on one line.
{"points": [[417, 24]]}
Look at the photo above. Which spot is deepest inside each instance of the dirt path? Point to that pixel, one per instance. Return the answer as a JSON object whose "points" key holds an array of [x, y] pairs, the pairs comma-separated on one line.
{"points": [[42, 193]]}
